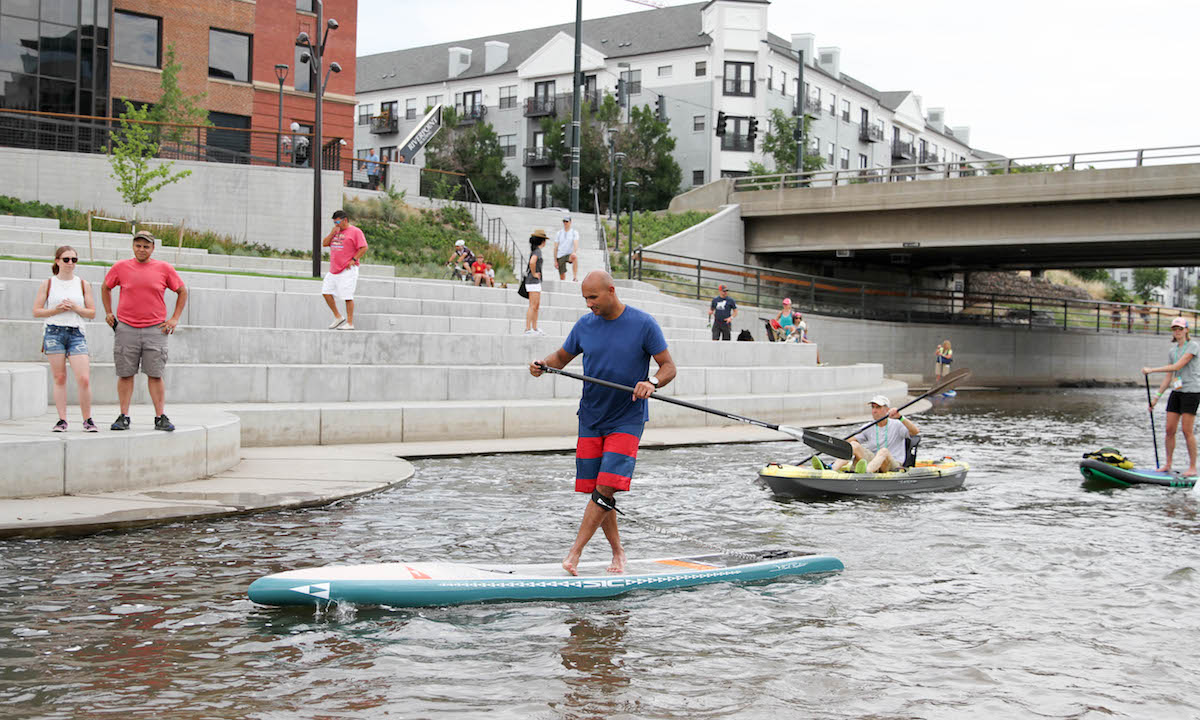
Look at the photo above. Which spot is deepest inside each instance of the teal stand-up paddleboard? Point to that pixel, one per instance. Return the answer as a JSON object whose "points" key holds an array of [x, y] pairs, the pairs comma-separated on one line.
{"points": [[424, 584], [1099, 474]]}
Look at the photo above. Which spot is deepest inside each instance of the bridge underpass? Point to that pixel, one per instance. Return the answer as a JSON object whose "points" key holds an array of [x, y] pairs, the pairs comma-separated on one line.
{"points": [[1119, 217]]}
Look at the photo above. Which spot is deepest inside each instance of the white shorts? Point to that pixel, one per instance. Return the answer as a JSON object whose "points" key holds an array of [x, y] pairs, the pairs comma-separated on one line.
{"points": [[341, 285], [533, 288]]}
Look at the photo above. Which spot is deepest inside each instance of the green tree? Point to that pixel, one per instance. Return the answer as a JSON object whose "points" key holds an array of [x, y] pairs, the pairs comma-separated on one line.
{"points": [[1145, 280], [474, 150], [1100, 274], [780, 144], [174, 106], [593, 151], [133, 149]]}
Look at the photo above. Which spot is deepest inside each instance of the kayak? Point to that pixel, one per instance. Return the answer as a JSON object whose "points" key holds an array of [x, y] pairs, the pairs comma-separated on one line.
{"points": [[428, 584], [808, 482], [1101, 474]]}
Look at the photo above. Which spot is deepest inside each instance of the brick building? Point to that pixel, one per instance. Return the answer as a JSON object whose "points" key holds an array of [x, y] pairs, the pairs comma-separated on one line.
{"points": [[81, 57]]}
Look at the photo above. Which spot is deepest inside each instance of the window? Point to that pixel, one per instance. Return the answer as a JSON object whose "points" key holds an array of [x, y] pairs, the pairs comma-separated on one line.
{"points": [[701, 68], [364, 114], [770, 77], [302, 77], [305, 5], [832, 104], [389, 153], [698, 123], [508, 144], [863, 163], [229, 55], [508, 97], [137, 39], [633, 81], [783, 85], [228, 145], [433, 101], [697, 177], [739, 78], [665, 71], [388, 110], [736, 138], [845, 159], [846, 110], [410, 109], [829, 154], [544, 91]]}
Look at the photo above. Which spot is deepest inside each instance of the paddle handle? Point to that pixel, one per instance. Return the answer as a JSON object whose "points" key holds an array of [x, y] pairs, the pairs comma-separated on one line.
{"points": [[664, 398], [1153, 432]]}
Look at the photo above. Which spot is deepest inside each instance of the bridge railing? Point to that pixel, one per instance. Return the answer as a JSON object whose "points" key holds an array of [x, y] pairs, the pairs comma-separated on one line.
{"points": [[697, 278], [1139, 157]]}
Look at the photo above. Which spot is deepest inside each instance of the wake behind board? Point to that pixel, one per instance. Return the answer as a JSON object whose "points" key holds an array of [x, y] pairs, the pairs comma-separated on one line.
{"points": [[1099, 474], [426, 584]]}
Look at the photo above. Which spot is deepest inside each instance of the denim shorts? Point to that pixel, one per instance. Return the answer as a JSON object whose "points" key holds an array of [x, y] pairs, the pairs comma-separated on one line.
{"points": [[64, 340]]}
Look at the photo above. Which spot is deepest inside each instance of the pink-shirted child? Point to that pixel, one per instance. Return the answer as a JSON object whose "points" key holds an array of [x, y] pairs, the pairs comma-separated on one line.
{"points": [[347, 245]]}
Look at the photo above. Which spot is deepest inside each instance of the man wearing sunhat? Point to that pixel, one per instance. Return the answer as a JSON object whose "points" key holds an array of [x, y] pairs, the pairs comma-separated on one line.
{"points": [[722, 311], [566, 250], [879, 448]]}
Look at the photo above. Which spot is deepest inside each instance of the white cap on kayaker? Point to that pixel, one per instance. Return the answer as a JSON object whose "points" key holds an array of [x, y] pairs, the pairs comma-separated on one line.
{"points": [[880, 400]]}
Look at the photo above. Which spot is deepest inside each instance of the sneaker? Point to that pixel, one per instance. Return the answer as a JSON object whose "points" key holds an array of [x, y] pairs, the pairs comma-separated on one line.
{"points": [[347, 326], [162, 423], [337, 323], [538, 332], [121, 423], [89, 426], [529, 332], [60, 426], [860, 466], [817, 464]]}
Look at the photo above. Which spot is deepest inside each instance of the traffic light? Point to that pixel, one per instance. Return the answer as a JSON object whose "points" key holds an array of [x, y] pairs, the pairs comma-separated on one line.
{"points": [[660, 108], [753, 133], [720, 124], [622, 98], [798, 131]]}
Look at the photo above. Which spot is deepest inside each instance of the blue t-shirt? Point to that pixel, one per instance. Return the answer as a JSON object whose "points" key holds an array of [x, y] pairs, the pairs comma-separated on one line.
{"points": [[618, 351], [723, 307]]}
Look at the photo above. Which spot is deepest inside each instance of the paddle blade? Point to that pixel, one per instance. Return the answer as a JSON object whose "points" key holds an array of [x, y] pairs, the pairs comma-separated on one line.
{"points": [[828, 444]]}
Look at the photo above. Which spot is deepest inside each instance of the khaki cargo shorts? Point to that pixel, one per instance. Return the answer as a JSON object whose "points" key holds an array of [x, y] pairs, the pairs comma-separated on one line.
{"points": [[145, 347]]}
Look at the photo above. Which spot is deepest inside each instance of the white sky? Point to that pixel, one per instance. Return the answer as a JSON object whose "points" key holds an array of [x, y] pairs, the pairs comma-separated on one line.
{"points": [[1029, 77]]}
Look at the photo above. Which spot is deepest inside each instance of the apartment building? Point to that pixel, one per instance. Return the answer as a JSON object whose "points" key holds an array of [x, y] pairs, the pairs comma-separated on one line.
{"points": [[703, 58], [82, 57]]}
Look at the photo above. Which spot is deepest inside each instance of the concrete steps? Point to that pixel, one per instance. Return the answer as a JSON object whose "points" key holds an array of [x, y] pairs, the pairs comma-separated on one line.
{"points": [[23, 392]]}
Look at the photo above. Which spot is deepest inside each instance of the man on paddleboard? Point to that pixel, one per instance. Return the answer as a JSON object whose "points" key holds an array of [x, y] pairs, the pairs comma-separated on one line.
{"points": [[617, 342]]}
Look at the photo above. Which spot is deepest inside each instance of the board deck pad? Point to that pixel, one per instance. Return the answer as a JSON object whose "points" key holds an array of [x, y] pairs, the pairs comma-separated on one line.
{"points": [[422, 584]]}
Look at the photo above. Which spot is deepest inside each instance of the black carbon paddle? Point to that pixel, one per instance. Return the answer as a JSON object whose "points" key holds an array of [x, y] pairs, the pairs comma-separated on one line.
{"points": [[948, 382], [817, 441]]}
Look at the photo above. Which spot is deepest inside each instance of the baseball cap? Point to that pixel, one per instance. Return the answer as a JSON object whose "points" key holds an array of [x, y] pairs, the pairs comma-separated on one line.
{"points": [[1179, 322], [880, 400], [566, 218], [143, 235], [787, 301], [459, 243], [721, 287]]}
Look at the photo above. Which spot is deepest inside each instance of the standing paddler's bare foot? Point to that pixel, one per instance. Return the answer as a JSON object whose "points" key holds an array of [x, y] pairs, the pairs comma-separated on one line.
{"points": [[618, 563], [1190, 471], [1164, 469], [571, 562]]}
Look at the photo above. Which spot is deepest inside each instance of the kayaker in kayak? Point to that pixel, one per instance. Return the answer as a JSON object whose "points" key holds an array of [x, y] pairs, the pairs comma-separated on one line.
{"points": [[1183, 378], [879, 448]]}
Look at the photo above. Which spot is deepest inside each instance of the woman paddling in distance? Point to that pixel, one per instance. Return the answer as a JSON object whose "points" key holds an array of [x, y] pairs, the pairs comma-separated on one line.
{"points": [[1183, 377], [64, 301], [533, 281]]}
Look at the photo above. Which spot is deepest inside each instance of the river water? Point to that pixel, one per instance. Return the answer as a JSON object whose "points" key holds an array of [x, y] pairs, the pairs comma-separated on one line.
{"points": [[1020, 596]]}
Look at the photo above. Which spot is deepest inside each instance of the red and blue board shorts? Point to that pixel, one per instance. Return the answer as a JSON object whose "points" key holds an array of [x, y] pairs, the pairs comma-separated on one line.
{"points": [[606, 458]]}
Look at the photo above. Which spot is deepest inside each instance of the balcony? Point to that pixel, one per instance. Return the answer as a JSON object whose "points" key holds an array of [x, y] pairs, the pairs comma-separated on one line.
{"points": [[870, 133], [384, 124], [737, 143], [812, 106], [929, 158], [902, 150], [539, 106], [468, 114], [538, 157]]}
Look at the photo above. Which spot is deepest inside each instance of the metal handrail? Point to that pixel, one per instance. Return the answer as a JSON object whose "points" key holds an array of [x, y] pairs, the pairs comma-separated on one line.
{"points": [[692, 277], [972, 168], [601, 235], [493, 226]]}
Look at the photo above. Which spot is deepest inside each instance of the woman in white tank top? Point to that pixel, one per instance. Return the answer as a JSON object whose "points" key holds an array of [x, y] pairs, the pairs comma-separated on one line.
{"points": [[64, 301]]}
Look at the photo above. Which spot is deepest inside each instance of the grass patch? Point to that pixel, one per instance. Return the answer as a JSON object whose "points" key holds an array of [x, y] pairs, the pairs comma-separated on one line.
{"points": [[650, 227]]}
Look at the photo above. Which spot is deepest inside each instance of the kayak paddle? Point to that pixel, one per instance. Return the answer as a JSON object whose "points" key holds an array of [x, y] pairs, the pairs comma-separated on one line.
{"points": [[818, 441], [948, 381]]}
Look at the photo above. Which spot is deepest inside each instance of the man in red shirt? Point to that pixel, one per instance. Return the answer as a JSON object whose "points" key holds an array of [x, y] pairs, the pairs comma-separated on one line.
{"points": [[141, 324], [347, 245]]}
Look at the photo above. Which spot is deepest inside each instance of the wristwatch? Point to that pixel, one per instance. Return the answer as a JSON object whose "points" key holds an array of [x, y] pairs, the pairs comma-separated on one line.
{"points": [[652, 380]]}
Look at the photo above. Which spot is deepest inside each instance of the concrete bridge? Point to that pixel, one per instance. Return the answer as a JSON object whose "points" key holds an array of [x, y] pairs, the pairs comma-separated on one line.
{"points": [[1118, 217]]}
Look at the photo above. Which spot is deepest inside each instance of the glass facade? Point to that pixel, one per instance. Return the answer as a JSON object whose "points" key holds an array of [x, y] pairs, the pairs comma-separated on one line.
{"points": [[54, 57]]}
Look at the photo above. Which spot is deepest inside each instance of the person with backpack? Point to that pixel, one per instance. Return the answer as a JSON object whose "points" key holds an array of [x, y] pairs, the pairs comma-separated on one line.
{"points": [[65, 300]]}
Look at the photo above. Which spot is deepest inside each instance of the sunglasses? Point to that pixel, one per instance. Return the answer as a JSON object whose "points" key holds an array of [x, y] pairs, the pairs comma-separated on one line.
{"points": [[69, 259]]}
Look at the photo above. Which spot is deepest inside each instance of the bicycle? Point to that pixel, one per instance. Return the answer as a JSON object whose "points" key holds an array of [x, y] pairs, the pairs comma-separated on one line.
{"points": [[455, 272]]}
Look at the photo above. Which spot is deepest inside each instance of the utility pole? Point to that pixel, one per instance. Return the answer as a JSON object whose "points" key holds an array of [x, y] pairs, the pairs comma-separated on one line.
{"points": [[576, 81]]}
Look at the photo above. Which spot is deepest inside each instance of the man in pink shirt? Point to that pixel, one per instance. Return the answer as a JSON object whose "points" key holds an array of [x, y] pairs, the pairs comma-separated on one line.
{"points": [[347, 245], [141, 324]]}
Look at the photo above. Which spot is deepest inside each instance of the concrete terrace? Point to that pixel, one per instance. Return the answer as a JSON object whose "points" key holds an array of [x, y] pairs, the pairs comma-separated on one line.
{"points": [[253, 367]]}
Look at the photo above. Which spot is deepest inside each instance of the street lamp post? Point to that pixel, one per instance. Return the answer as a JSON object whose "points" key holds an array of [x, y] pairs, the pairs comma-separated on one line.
{"points": [[281, 73], [314, 57], [618, 157], [630, 187], [612, 149]]}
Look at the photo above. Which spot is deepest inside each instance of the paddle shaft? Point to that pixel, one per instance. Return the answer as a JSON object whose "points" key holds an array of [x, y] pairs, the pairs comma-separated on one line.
{"points": [[1153, 432], [947, 382]]}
